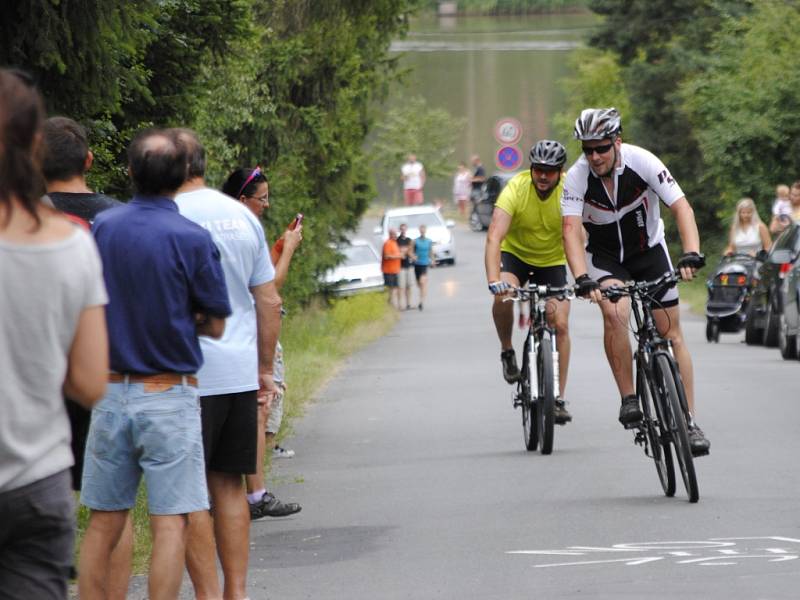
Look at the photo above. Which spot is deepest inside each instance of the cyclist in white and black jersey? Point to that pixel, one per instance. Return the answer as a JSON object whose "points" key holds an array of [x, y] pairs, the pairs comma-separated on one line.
{"points": [[614, 191]]}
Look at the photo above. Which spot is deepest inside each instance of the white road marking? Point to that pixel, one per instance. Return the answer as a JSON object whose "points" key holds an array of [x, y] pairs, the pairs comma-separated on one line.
{"points": [[628, 561]]}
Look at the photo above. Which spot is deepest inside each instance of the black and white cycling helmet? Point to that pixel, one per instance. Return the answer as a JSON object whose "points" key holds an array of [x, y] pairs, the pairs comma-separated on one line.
{"points": [[598, 124], [548, 153]]}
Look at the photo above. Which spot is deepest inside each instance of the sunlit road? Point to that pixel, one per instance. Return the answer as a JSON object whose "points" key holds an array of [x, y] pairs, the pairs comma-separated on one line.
{"points": [[415, 483]]}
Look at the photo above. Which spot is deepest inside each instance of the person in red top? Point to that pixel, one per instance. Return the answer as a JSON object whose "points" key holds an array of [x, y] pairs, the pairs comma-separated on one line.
{"points": [[390, 265]]}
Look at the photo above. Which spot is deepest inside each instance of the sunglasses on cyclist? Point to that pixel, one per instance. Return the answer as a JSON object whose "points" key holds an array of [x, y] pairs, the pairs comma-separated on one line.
{"points": [[599, 149], [256, 173]]}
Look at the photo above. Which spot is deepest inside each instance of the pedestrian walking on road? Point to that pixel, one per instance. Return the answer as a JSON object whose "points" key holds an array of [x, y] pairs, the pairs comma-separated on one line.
{"points": [[390, 265], [423, 259], [404, 277]]}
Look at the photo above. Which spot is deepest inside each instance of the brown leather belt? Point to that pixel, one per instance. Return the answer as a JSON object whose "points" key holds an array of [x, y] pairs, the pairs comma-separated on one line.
{"points": [[156, 382]]}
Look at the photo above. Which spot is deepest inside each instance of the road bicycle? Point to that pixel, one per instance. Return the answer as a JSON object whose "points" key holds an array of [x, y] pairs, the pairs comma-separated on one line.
{"points": [[538, 384], [659, 388]]}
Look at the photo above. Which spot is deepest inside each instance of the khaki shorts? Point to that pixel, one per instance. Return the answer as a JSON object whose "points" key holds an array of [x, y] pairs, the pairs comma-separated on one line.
{"points": [[405, 278]]}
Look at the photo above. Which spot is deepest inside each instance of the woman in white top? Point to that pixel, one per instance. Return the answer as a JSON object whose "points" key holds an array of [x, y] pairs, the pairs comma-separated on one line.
{"points": [[748, 233], [462, 185], [52, 341]]}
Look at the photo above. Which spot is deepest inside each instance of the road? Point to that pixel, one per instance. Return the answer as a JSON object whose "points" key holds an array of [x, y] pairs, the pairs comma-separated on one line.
{"points": [[415, 483]]}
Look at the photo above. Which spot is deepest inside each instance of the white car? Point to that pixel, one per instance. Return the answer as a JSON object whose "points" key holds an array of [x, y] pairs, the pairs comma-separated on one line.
{"points": [[437, 229], [360, 271]]}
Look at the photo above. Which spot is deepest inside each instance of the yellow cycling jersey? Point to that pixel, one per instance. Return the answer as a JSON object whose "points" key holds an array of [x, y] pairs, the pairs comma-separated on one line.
{"points": [[535, 232]]}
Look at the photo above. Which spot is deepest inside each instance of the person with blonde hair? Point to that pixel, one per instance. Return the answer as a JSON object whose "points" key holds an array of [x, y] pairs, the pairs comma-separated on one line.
{"points": [[781, 209], [748, 233]]}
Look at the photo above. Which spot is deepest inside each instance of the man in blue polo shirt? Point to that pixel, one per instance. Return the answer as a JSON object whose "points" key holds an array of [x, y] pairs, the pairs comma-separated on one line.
{"points": [[165, 285]]}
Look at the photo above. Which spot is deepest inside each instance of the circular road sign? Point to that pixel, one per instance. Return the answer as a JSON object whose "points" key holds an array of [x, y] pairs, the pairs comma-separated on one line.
{"points": [[508, 158], [507, 131]]}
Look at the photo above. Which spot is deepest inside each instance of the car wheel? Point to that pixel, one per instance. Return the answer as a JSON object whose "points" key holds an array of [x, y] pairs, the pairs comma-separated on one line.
{"points": [[787, 343], [771, 326], [752, 335]]}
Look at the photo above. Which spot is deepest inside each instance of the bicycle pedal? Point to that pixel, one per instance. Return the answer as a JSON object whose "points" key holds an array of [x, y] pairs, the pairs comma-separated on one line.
{"points": [[632, 425]]}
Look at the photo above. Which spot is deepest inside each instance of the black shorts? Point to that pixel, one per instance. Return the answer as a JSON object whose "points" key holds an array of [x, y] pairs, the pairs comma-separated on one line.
{"points": [[645, 266], [230, 427], [420, 270], [555, 276], [390, 280], [79, 419]]}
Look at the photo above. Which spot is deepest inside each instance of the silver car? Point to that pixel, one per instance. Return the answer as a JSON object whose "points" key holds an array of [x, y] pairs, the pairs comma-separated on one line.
{"points": [[360, 271], [438, 230]]}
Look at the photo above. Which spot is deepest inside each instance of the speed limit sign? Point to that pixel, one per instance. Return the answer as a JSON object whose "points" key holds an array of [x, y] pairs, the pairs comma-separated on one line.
{"points": [[507, 131]]}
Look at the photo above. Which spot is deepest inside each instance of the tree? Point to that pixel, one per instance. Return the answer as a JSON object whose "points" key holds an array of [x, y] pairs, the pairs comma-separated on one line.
{"points": [[745, 105], [413, 126]]}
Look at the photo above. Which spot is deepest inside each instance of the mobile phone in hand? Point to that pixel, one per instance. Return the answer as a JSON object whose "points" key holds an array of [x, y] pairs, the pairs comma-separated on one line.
{"points": [[298, 220]]}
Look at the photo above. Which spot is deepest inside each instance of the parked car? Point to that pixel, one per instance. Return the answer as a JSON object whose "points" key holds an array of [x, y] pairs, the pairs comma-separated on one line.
{"points": [[437, 229], [766, 305], [789, 327], [484, 199], [360, 271]]}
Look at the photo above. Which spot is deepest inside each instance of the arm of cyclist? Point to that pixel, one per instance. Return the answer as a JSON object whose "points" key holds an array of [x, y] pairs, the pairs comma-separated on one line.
{"points": [[498, 228], [585, 286], [691, 260]]}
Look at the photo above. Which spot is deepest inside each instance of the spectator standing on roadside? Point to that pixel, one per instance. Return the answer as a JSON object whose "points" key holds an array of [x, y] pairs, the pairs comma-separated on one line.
{"points": [[251, 188], [478, 177], [52, 339], [65, 162], [423, 258], [413, 177], [462, 185], [748, 233], [236, 370], [404, 277], [166, 286], [390, 265], [781, 209], [794, 200]]}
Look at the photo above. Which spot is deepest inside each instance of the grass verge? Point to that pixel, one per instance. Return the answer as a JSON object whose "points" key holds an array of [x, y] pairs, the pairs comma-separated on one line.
{"points": [[315, 340]]}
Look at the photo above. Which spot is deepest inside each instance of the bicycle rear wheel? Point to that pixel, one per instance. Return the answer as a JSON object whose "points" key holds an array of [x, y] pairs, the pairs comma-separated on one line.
{"points": [[530, 426], [653, 424], [674, 406], [546, 398]]}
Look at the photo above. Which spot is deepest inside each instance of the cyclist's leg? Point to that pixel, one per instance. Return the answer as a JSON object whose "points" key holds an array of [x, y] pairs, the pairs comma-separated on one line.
{"points": [[616, 336], [516, 273], [669, 325]]}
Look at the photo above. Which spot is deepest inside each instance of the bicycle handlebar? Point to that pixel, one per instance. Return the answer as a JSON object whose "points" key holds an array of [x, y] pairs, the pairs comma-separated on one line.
{"points": [[565, 292], [643, 288]]}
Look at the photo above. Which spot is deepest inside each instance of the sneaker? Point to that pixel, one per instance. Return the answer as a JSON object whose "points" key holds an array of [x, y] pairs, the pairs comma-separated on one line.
{"points": [[698, 442], [270, 506], [278, 452], [629, 413], [561, 414], [510, 368], [420, 306]]}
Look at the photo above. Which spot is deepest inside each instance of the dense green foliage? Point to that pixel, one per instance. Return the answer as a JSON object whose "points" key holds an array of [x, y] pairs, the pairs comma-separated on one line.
{"points": [[511, 7], [711, 87], [287, 84]]}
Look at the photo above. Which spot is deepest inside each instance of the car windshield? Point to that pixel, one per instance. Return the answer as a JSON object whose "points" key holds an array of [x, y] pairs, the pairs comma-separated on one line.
{"points": [[359, 255], [415, 220]]}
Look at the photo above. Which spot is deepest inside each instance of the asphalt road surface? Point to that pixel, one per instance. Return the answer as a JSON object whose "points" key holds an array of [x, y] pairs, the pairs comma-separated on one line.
{"points": [[415, 482]]}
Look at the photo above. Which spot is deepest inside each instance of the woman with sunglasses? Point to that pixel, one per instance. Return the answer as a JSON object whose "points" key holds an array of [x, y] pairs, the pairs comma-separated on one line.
{"points": [[613, 191], [250, 186]]}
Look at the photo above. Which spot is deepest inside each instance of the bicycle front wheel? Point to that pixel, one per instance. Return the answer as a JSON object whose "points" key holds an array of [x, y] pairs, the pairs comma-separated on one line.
{"points": [[546, 399], [654, 428], [530, 426], [674, 400]]}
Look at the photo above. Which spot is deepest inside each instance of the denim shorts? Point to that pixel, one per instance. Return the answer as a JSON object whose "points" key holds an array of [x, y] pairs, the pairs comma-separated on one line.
{"points": [[155, 434]]}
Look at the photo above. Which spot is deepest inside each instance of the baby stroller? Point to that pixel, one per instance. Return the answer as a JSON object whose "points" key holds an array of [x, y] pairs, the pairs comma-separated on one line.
{"points": [[728, 295]]}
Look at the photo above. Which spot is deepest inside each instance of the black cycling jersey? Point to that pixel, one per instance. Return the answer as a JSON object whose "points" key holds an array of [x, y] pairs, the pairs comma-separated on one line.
{"points": [[629, 223]]}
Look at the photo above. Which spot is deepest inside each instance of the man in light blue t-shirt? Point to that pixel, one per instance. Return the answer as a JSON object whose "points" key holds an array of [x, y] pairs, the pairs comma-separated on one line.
{"points": [[237, 369]]}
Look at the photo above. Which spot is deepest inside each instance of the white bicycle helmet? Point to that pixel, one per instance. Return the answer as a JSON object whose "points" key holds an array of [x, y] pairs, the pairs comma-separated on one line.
{"points": [[598, 124], [548, 153]]}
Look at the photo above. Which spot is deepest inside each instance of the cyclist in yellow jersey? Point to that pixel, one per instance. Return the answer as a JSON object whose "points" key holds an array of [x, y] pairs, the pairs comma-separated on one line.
{"points": [[525, 243]]}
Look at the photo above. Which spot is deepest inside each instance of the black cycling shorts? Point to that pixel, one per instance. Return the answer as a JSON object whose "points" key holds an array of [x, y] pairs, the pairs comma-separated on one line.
{"points": [[645, 266], [230, 429], [555, 276]]}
